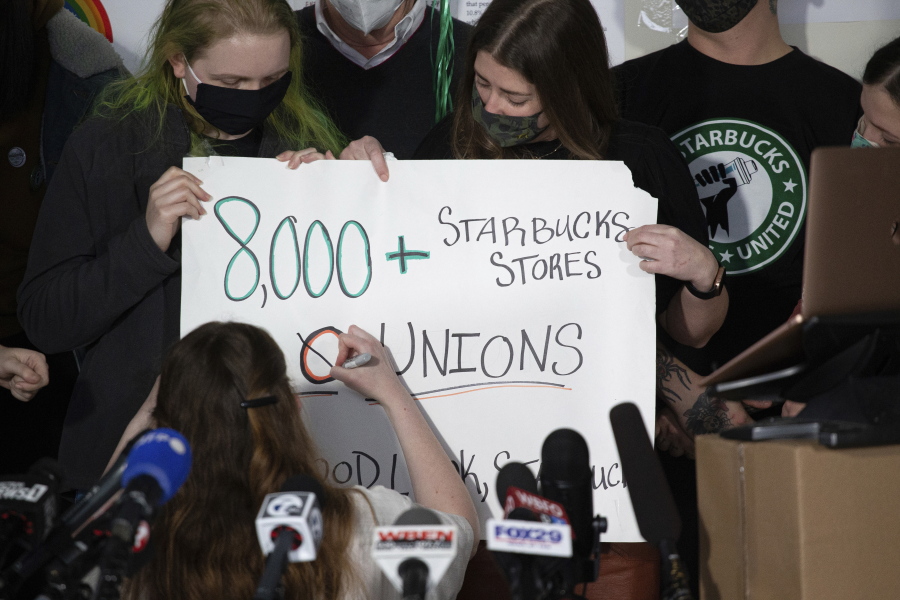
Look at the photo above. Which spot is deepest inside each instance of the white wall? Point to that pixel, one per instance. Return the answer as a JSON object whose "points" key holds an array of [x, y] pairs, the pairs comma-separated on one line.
{"points": [[843, 33]]}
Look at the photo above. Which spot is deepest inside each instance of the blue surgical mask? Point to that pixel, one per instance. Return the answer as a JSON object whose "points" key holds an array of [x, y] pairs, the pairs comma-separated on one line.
{"points": [[858, 140]]}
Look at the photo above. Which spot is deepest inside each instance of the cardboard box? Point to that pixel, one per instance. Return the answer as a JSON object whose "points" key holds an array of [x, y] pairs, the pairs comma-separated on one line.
{"points": [[793, 520]]}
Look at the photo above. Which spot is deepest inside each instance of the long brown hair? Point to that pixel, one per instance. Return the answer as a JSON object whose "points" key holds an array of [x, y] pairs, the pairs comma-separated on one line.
{"points": [[559, 47], [205, 545]]}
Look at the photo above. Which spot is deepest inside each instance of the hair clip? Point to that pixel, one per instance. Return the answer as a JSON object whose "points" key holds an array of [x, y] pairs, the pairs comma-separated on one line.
{"points": [[257, 402]]}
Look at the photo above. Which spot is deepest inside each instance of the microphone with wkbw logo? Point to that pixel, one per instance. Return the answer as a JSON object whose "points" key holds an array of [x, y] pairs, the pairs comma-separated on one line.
{"points": [[415, 552], [533, 542], [290, 529]]}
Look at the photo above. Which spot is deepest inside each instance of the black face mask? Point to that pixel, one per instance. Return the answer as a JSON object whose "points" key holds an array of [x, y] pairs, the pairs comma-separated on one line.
{"points": [[716, 16], [237, 111]]}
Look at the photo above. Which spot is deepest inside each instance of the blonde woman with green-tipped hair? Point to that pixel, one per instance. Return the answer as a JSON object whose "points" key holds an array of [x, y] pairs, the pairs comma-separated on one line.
{"points": [[103, 277]]}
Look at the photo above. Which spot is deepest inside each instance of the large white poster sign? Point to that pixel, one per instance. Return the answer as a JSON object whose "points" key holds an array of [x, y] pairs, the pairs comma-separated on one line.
{"points": [[502, 288]]}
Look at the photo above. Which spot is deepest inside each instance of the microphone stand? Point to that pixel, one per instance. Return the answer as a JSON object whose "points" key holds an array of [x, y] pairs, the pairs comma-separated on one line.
{"points": [[268, 588], [567, 574]]}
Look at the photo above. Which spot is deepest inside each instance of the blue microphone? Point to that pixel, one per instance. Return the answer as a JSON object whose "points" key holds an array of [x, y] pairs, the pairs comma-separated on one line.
{"points": [[158, 465]]}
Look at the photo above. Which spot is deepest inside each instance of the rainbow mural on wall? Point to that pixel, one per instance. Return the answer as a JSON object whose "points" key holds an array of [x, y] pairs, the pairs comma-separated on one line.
{"points": [[92, 13]]}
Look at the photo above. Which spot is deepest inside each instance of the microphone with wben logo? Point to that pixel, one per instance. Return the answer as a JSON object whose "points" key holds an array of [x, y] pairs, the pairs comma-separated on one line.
{"points": [[28, 507], [158, 465], [290, 528], [566, 478], [651, 497], [415, 552]]}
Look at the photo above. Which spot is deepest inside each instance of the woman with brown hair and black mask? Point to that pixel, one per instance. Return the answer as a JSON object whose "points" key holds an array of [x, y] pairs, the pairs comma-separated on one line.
{"points": [[537, 85], [224, 387]]}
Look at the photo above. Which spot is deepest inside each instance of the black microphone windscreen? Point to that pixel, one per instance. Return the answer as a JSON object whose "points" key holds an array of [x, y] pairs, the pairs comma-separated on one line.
{"points": [[305, 483], [565, 457], [418, 516], [515, 474], [654, 506], [566, 479]]}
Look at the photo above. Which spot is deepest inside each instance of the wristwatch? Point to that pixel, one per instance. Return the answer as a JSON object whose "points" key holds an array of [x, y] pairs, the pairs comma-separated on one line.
{"points": [[718, 285]]}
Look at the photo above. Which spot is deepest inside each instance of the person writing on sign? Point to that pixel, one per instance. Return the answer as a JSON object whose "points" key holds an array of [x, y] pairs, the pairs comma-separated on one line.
{"points": [[221, 77], [225, 388], [536, 84]]}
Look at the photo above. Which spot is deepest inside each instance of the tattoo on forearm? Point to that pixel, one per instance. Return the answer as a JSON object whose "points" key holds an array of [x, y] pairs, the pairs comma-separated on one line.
{"points": [[667, 371], [773, 6], [708, 415]]}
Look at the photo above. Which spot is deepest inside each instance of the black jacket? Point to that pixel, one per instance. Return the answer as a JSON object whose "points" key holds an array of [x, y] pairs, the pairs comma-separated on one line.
{"points": [[96, 280]]}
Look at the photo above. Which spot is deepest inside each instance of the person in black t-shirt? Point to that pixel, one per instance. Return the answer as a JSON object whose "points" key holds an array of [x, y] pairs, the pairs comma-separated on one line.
{"points": [[536, 84], [746, 110]]}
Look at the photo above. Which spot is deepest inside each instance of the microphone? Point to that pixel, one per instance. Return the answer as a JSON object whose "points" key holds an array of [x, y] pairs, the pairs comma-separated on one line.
{"points": [[517, 492], [654, 506], [290, 528], [157, 466], [532, 540], [82, 512], [59, 540], [28, 506], [566, 478], [415, 552]]}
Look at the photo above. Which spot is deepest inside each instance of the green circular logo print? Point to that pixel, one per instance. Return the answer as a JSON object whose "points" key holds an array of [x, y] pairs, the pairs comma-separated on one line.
{"points": [[752, 188]]}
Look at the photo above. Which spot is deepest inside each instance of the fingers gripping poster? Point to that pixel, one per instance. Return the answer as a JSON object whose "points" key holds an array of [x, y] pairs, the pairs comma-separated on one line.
{"points": [[503, 290]]}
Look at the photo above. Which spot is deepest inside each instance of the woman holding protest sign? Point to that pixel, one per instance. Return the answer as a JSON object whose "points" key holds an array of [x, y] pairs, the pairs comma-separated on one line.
{"points": [[221, 77], [537, 85]]}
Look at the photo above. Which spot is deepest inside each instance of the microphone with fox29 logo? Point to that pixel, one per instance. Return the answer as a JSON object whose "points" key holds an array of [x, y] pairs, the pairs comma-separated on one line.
{"points": [[415, 552], [533, 541]]}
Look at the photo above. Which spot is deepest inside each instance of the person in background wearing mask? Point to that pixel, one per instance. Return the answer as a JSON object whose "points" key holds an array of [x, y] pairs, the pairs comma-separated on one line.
{"points": [[52, 65], [383, 68], [880, 123], [878, 127], [536, 85], [746, 110], [221, 77]]}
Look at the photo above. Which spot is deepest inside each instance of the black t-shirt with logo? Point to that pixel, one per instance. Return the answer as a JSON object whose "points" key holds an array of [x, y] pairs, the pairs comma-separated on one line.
{"points": [[747, 133]]}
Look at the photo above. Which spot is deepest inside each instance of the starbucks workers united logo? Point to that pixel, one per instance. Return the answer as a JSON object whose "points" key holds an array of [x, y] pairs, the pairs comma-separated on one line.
{"points": [[752, 187]]}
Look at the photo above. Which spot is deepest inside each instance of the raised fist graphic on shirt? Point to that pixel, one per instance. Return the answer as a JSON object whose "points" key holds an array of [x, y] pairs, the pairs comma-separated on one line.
{"points": [[717, 204]]}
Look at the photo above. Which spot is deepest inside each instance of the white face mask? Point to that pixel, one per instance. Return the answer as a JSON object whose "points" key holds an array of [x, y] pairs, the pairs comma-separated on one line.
{"points": [[366, 15]]}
